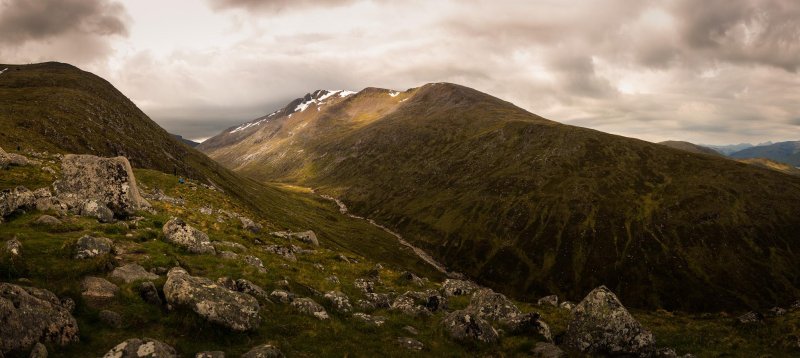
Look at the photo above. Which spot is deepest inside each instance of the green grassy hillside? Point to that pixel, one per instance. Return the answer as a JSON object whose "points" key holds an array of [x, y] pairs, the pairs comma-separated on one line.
{"points": [[533, 207]]}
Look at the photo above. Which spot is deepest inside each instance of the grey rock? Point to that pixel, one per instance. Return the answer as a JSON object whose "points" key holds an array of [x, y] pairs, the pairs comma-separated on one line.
{"points": [[410, 343], [19, 198], [228, 255], [264, 351], [252, 289], [255, 262], [282, 296], [411, 330], [551, 300], [149, 293], [229, 245], [750, 318], [283, 251], [250, 225], [212, 354], [412, 278], [141, 348], [132, 272], [195, 241], [38, 351], [339, 301], [110, 318], [97, 210], [375, 321], [466, 326], [493, 306], [29, 315], [12, 159], [567, 305], [777, 311], [13, 247], [98, 289], [90, 246], [365, 285], [47, 220], [547, 350], [110, 181], [452, 287], [207, 210], [530, 324], [308, 237], [234, 310], [309, 307], [600, 324]]}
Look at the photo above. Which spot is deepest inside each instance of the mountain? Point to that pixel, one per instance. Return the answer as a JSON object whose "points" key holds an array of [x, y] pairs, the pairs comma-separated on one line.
{"points": [[728, 149], [689, 147], [183, 140], [529, 206], [783, 152], [58, 108]]}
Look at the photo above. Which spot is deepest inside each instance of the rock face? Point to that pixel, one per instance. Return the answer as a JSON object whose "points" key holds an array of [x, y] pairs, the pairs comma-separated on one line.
{"points": [[109, 181], [141, 348], [96, 288], [132, 272], [466, 326], [29, 315], [195, 241], [601, 325], [234, 310], [12, 200], [89, 246], [264, 351]]}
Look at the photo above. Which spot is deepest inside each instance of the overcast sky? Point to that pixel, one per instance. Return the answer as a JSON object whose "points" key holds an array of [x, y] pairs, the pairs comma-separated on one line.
{"points": [[711, 71]]}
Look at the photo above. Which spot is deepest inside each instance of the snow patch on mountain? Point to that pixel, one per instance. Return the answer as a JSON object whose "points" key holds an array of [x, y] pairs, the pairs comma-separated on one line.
{"points": [[394, 93], [4, 70]]}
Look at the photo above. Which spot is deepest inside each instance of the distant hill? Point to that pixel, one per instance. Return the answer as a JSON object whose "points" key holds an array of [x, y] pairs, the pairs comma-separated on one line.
{"points": [[690, 147], [530, 206], [783, 152], [769, 164], [188, 142], [728, 149]]}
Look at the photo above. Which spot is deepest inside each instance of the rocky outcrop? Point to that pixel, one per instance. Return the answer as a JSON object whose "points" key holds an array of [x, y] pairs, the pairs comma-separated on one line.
{"points": [[132, 272], [15, 199], [493, 306], [234, 310], [29, 315], [12, 159], [264, 351], [375, 321], [310, 307], [180, 233], [141, 348], [283, 251], [466, 326], [308, 237], [90, 246], [452, 287], [109, 181], [98, 289], [601, 325], [339, 301]]}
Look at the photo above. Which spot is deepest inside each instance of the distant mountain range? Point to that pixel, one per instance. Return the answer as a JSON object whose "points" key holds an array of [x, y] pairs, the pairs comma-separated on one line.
{"points": [[783, 152], [527, 205], [188, 142]]}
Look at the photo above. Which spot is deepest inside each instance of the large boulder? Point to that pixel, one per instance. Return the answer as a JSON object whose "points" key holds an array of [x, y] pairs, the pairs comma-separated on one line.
{"points": [[12, 200], [9, 159], [98, 289], [466, 326], [141, 348], [182, 234], [29, 315], [97, 210], [493, 306], [217, 304], [601, 325], [132, 272], [109, 181], [90, 246]]}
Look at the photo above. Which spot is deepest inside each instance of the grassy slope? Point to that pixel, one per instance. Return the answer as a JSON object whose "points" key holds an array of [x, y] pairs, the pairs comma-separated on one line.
{"points": [[58, 108], [690, 147], [533, 207]]}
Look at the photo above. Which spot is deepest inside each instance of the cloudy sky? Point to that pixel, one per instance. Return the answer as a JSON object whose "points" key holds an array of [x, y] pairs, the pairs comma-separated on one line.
{"points": [[711, 71]]}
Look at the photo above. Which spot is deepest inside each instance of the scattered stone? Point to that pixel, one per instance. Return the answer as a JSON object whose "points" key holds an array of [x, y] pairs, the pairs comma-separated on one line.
{"points": [[207, 210], [158, 195], [412, 278], [416, 304], [255, 262], [551, 300], [250, 225], [195, 241], [264, 351], [283, 251], [410, 343], [149, 293], [339, 301], [310, 307], [97, 210], [13, 247], [493, 306], [567, 305], [333, 279], [47, 220], [213, 354], [109, 181], [365, 285], [252, 289], [308, 237], [452, 287], [110, 318], [227, 255], [282, 296], [12, 159], [19, 198], [141, 348], [375, 321], [777, 311], [90, 246], [38, 351], [132, 272], [235, 246], [750, 318], [319, 267], [411, 330], [29, 315], [343, 258], [98, 289], [234, 310], [465, 326], [530, 324], [601, 325], [547, 350]]}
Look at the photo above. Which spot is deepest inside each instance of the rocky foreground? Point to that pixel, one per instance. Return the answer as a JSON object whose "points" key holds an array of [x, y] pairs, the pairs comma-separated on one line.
{"points": [[181, 276]]}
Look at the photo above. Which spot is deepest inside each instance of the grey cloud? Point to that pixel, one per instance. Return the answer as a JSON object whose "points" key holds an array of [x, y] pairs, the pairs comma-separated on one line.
{"points": [[30, 20]]}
